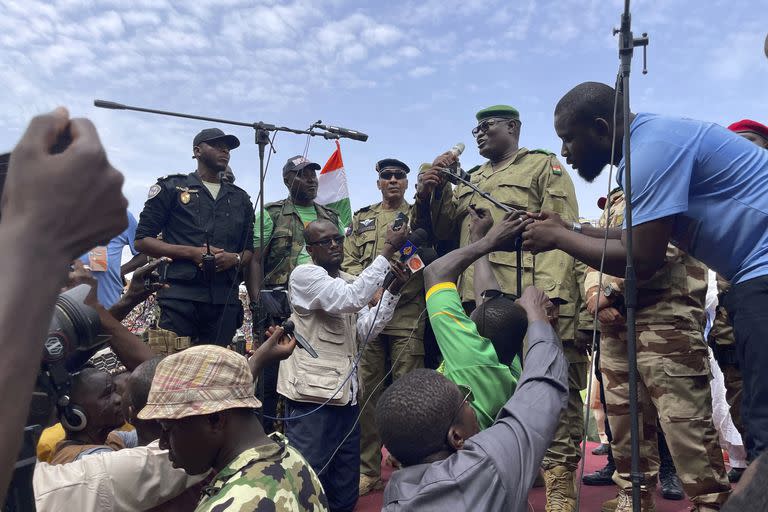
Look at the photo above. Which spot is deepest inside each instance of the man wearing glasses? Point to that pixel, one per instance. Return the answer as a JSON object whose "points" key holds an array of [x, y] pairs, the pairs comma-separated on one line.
{"points": [[400, 345], [527, 180], [330, 309], [278, 251]]}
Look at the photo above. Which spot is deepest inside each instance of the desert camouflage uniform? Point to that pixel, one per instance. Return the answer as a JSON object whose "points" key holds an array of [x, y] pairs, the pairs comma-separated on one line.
{"points": [[533, 180], [673, 375], [401, 343], [272, 477], [723, 343]]}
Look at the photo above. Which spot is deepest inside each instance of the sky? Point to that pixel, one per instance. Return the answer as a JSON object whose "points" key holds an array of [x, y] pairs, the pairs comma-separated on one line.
{"points": [[409, 73]]}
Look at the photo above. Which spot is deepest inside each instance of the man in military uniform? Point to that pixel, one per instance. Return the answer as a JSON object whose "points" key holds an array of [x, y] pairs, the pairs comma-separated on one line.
{"points": [[401, 342], [673, 371], [278, 251], [529, 181], [198, 214]]}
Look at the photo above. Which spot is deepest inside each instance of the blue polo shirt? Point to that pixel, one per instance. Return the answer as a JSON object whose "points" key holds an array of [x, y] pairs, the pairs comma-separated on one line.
{"points": [[110, 281], [712, 181]]}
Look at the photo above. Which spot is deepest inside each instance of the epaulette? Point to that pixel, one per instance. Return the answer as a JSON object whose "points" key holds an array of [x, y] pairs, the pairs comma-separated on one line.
{"points": [[542, 152], [176, 175], [363, 209], [274, 203], [617, 189], [474, 169]]}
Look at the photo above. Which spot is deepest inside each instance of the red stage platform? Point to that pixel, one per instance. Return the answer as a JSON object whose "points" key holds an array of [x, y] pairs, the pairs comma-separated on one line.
{"points": [[591, 497]]}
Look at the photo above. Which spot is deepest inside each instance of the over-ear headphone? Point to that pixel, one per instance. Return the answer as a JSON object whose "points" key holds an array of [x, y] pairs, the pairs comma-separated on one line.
{"points": [[72, 417]]}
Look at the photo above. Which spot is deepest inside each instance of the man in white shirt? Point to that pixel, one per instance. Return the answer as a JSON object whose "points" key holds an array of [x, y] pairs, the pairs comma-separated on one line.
{"points": [[331, 310]]}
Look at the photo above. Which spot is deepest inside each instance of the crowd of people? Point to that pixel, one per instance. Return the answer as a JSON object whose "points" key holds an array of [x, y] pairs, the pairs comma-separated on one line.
{"points": [[453, 332]]}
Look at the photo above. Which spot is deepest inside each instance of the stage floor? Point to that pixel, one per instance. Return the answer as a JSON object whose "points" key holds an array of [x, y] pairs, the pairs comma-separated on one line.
{"points": [[591, 497]]}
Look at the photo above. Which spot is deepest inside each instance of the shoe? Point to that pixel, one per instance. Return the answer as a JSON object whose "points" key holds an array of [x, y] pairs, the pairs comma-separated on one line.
{"points": [[671, 486], [603, 476], [370, 484], [602, 449], [560, 489], [623, 501], [734, 475]]}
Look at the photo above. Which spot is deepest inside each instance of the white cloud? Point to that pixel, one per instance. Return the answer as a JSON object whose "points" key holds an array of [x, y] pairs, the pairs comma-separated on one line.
{"points": [[421, 71]]}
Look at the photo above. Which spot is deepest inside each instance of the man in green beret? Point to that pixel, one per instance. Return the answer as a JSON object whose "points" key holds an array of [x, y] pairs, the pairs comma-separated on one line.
{"points": [[400, 346], [527, 180]]}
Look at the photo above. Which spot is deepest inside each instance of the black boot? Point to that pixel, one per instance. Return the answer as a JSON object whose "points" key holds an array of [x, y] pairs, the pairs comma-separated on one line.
{"points": [[603, 476], [671, 486]]}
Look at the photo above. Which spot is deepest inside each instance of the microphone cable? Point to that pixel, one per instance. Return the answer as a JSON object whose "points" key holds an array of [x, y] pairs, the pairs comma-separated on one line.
{"points": [[370, 395], [607, 213]]}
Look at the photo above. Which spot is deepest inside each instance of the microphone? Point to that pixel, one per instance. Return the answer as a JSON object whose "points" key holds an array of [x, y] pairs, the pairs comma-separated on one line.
{"points": [[108, 104], [407, 252], [344, 132], [457, 149], [289, 329]]}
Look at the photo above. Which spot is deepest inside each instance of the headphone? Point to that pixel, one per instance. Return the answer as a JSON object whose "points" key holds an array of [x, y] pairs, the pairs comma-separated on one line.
{"points": [[72, 416]]}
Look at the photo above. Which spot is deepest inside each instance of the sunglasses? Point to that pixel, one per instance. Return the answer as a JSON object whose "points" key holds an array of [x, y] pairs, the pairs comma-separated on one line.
{"points": [[388, 175], [327, 242], [468, 399], [485, 125]]}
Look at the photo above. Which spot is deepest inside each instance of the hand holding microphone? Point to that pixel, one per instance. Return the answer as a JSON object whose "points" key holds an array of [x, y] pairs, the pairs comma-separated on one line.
{"points": [[433, 178]]}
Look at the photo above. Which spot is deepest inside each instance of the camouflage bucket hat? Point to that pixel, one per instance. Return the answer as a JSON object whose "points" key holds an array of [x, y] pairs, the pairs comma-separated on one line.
{"points": [[200, 380]]}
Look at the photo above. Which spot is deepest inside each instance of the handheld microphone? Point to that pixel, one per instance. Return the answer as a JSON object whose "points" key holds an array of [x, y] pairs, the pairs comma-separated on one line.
{"points": [[457, 149], [452, 172], [289, 329], [406, 252], [344, 132]]}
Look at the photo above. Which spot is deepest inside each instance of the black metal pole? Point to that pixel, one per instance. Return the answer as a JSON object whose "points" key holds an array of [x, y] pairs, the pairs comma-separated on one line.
{"points": [[626, 49]]}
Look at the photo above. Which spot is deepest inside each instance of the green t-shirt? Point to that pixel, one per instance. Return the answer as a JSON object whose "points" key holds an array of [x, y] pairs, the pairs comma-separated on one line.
{"points": [[306, 213], [470, 359]]}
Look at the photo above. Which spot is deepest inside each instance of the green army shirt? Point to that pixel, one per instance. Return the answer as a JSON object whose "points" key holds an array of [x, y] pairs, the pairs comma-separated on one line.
{"points": [[364, 241], [271, 477]]}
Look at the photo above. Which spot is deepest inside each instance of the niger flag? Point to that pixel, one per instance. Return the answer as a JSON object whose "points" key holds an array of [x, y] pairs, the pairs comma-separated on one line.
{"points": [[332, 188]]}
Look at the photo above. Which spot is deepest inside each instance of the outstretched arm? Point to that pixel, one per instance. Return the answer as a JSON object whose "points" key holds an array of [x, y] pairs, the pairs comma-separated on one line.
{"points": [[501, 237]]}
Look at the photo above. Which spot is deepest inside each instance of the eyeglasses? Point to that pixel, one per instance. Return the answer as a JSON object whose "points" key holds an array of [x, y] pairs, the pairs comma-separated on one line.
{"points": [[327, 242], [468, 399], [388, 175], [486, 124]]}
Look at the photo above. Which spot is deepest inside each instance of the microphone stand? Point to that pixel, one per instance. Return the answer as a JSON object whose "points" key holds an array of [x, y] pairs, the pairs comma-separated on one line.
{"points": [[262, 131], [627, 43], [453, 178]]}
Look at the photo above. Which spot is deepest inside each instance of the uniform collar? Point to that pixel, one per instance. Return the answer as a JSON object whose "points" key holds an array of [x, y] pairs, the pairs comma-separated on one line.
{"points": [[225, 187], [488, 168], [251, 455]]}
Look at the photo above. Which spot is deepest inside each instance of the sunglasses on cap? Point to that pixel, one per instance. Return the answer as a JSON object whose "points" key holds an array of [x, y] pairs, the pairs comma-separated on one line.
{"points": [[326, 242], [388, 175]]}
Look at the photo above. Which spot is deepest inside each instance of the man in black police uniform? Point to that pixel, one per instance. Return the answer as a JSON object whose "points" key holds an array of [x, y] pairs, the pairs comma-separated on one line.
{"points": [[194, 211]]}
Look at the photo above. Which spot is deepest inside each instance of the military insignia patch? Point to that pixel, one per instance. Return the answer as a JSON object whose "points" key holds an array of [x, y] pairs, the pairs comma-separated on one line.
{"points": [[153, 191], [184, 197], [366, 225], [556, 169]]}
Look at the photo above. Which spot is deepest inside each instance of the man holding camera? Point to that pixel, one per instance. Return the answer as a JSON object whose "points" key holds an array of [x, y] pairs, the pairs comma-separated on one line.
{"points": [[527, 180], [401, 342], [206, 224], [278, 250]]}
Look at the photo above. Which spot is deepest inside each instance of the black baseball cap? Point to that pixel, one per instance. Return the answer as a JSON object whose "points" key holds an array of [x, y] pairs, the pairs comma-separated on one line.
{"points": [[391, 162], [297, 163], [212, 134]]}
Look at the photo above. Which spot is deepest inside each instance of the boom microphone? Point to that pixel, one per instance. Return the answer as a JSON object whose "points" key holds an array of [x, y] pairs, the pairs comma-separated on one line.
{"points": [[289, 329], [406, 252], [344, 132]]}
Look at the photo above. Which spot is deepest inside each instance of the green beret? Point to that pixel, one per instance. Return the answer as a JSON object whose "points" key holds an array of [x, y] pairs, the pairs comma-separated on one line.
{"points": [[504, 111]]}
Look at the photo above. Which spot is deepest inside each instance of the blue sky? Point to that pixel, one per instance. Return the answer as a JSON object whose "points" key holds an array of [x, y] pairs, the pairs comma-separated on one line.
{"points": [[410, 73]]}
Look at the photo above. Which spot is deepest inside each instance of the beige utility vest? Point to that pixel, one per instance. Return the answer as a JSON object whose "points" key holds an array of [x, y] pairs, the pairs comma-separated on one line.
{"points": [[334, 337]]}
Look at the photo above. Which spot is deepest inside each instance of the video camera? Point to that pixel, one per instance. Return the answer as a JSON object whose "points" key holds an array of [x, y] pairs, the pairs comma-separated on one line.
{"points": [[73, 337]]}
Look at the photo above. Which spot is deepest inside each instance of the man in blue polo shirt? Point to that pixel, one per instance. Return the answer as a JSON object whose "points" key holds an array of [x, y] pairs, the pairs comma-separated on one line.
{"points": [[695, 184]]}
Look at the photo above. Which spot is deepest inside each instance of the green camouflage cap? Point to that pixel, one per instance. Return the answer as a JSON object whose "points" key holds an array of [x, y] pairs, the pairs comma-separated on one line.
{"points": [[504, 111]]}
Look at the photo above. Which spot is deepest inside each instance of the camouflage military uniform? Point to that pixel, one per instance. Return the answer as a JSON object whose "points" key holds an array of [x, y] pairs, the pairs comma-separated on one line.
{"points": [[723, 343], [531, 181], [401, 342], [273, 477], [673, 373]]}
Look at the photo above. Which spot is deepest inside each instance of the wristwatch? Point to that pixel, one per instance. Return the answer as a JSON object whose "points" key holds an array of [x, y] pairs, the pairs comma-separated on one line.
{"points": [[608, 290], [239, 259], [576, 226]]}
